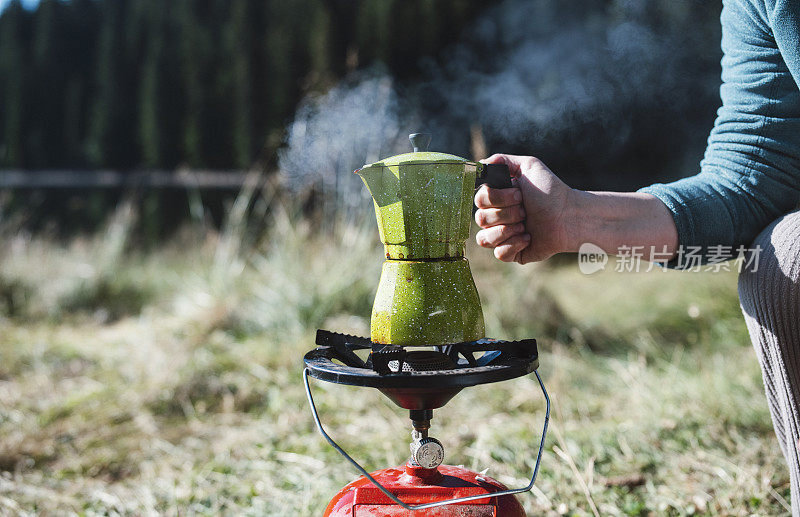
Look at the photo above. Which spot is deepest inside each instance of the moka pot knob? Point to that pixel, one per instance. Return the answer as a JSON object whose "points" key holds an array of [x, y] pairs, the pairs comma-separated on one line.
{"points": [[420, 141]]}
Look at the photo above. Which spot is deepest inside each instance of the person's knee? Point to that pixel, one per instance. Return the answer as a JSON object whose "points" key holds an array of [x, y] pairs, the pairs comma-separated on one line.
{"points": [[773, 269]]}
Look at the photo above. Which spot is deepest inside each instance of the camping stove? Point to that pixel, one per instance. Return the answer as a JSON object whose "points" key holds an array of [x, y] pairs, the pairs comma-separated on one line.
{"points": [[421, 381], [426, 337]]}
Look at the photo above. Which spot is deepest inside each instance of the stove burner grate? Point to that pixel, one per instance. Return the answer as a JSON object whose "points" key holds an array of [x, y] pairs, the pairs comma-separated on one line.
{"points": [[457, 365], [422, 361]]}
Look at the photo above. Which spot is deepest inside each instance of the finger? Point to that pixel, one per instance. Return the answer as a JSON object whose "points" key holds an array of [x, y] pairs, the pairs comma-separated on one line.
{"points": [[509, 250], [497, 235], [487, 217], [516, 164], [496, 158], [488, 197], [508, 159]]}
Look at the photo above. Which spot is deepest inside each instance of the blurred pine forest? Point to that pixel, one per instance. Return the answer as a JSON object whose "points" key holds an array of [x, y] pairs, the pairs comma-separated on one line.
{"points": [[612, 94], [127, 84]]}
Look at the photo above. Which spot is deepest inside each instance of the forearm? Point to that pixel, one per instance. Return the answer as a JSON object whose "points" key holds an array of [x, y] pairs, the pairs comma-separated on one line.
{"points": [[613, 220], [750, 173]]}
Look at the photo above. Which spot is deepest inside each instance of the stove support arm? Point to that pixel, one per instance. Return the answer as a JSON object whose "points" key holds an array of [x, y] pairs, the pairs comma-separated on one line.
{"points": [[438, 503]]}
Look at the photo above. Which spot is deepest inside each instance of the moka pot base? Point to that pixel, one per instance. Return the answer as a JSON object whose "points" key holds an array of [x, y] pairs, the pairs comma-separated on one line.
{"points": [[426, 302]]}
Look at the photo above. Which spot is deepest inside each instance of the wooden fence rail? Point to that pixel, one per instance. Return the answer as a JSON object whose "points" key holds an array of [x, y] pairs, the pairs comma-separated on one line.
{"points": [[184, 179]]}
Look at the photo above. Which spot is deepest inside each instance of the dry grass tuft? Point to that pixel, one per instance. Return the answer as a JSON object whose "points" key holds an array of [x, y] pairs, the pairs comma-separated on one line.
{"points": [[169, 382]]}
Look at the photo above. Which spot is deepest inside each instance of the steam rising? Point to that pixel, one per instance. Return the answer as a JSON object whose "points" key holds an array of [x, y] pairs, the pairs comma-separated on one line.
{"points": [[532, 74], [335, 133]]}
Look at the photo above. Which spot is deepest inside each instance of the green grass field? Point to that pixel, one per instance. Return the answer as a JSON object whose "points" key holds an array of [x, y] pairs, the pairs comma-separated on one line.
{"points": [[169, 382]]}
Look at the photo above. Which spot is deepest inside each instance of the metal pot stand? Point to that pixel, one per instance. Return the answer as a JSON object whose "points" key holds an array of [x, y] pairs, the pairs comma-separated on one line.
{"points": [[410, 379]]}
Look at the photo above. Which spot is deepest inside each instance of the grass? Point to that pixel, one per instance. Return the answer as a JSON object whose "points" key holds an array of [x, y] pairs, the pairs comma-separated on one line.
{"points": [[168, 382]]}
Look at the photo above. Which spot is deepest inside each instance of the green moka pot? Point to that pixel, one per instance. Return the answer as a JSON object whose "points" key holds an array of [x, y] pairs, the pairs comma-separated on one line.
{"points": [[426, 303], [423, 203]]}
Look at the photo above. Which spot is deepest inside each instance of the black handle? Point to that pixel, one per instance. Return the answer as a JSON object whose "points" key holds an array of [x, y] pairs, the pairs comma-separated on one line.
{"points": [[496, 175]]}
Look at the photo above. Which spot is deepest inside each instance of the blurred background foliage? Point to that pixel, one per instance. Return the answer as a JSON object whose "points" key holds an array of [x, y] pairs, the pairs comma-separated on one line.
{"points": [[207, 83], [612, 94], [126, 84]]}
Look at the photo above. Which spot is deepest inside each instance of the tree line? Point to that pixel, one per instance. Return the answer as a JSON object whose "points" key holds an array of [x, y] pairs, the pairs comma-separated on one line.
{"points": [[126, 84]]}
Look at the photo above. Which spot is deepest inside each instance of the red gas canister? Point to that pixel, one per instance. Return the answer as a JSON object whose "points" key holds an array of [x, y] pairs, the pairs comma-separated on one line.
{"points": [[416, 485]]}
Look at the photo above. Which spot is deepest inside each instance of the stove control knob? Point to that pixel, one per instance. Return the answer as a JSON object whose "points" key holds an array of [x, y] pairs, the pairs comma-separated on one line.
{"points": [[428, 453]]}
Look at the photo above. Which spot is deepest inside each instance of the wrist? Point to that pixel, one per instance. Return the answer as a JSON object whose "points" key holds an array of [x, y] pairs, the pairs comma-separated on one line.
{"points": [[580, 222], [612, 220]]}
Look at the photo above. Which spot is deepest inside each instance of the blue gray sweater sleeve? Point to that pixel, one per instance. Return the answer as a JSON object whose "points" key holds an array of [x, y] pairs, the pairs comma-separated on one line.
{"points": [[750, 174]]}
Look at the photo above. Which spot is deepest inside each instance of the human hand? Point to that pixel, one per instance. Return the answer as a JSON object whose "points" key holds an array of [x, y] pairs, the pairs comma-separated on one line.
{"points": [[526, 223]]}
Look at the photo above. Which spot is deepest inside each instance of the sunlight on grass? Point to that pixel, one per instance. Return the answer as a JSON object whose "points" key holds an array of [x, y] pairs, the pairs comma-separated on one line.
{"points": [[168, 382]]}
